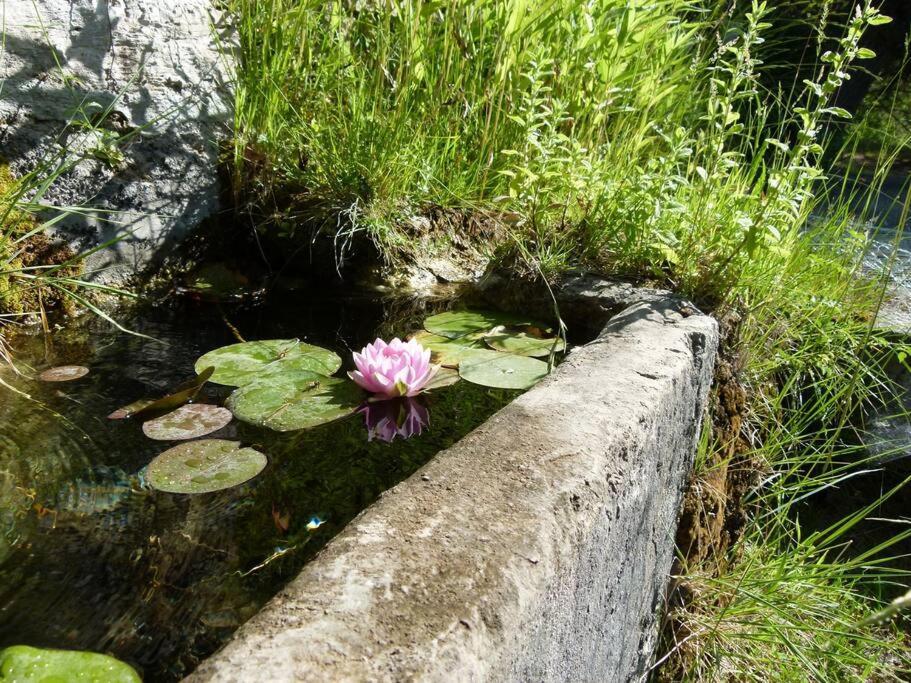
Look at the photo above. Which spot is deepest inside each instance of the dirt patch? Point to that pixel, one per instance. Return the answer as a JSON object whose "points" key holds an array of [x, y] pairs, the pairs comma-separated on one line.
{"points": [[713, 514], [445, 245]]}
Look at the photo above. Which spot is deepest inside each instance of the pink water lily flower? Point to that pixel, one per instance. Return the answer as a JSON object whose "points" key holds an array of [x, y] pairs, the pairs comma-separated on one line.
{"points": [[394, 369]]}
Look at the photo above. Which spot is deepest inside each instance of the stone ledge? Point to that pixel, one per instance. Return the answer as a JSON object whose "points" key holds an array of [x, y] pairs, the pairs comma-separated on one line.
{"points": [[536, 548]]}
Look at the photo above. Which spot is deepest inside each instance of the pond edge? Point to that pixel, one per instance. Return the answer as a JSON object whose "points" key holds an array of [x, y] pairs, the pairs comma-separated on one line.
{"points": [[536, 548]]}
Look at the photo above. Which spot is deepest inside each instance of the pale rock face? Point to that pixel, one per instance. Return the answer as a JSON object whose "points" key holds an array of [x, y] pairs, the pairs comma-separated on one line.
{"points": [[161, 69]]}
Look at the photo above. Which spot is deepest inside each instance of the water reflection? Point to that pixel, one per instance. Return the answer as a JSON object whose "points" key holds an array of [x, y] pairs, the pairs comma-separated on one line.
{"points": [[402, 417]]}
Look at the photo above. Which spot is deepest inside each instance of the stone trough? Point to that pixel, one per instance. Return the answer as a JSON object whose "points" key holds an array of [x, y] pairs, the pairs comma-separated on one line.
{"points": [[537, 548]]}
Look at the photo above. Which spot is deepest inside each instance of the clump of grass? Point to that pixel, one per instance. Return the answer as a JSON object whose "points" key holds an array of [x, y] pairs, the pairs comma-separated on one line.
{"points": [[378, 110]]}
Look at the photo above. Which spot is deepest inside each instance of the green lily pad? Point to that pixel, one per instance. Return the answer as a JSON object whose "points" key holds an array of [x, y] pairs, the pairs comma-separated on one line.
{"points": [[240, 364], [297, 400], [182, 394], [447, 352], [502, 370], [63, 373], [24, 664], [523, 344], [444, 377], [187, 422], [456, 324], [204, 466]]}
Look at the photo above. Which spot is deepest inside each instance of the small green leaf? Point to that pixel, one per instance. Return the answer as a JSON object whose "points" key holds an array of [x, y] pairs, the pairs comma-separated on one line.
{"points": [[837, 111], [204, 466], [503, 370], [879, 19], [24, 664], [297, 400], [240, 364]]}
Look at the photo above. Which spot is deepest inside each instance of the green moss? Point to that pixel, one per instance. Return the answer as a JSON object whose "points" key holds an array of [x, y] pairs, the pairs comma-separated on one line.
{"points": [[19, 294]]}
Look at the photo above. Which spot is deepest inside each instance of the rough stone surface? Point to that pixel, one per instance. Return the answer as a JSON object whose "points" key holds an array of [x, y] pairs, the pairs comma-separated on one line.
{"points": [[535, 549], [156, 68]]}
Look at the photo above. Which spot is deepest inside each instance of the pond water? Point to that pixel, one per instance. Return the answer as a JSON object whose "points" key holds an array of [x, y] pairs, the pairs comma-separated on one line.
{"points": [[92, 558]]}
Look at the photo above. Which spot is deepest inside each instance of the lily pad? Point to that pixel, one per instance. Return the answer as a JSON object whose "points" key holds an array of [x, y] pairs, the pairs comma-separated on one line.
{"points": [[24, 664], [204, 466], [447, 352], [523, 344], [187, 422], [183, 393], [503, 370], [456, 324], [297, 400], [64, 373], [240, 364], [444, 377]]}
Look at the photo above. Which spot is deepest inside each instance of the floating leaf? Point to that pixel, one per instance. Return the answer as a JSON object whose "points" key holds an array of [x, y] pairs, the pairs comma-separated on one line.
{"points": [[63, 373], [444, 377], [296, 400], [187, 422], [456, 324], [523, 344], [445, 351], [240, 364], [24, 664], [183, 393], [503, 370], [204, 466]]}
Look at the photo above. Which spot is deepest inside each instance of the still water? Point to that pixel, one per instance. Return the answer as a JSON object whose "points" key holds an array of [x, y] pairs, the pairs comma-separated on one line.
{"points": [[91, 558]]}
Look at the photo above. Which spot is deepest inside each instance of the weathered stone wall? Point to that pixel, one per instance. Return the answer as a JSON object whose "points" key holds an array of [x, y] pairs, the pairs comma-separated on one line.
{"points": [[158, 68], [538, 548]]}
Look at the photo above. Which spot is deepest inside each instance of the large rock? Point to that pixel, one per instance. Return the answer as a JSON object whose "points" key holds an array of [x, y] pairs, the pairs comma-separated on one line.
{"points": [[150, 75]]}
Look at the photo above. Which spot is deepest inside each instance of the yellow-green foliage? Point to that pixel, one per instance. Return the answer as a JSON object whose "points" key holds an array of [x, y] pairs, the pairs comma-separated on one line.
{"points": [[24, 250], [10, 298]]}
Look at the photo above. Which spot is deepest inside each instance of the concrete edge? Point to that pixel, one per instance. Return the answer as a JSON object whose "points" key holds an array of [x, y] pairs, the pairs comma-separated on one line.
{"points": [[536, 548]]}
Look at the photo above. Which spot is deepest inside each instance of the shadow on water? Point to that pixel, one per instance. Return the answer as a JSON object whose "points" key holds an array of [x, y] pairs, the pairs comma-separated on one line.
{"points": [[91, 558]]}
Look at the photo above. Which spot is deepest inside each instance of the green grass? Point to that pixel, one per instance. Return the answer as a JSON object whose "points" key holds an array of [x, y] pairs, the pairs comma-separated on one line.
{"points": [[516, 106], [642, 139]]}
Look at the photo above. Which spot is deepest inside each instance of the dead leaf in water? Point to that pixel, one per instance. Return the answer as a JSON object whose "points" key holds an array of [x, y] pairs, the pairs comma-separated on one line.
{"points": [[282, 520], [183, 393]]}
